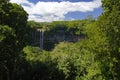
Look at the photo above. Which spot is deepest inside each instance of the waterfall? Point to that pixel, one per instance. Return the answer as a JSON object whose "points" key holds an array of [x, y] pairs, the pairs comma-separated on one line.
{"points": [[41, 38]]}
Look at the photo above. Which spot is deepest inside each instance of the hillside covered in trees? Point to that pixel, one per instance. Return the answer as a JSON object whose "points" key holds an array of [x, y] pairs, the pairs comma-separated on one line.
{"points": [[95, 57]]}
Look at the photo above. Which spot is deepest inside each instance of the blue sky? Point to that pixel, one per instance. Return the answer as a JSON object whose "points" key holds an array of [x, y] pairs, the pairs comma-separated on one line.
{"points": [[81, 15], [57, 10]]}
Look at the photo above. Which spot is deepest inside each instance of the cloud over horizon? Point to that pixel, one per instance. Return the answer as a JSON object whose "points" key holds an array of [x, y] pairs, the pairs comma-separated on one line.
{"points": [[54, 11]]}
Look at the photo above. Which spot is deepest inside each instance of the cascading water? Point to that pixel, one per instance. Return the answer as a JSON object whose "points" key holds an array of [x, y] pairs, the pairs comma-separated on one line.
{"points": [[41, 38]]}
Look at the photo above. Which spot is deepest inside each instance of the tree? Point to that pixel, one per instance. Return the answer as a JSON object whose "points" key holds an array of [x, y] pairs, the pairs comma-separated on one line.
{"points": [[14, 16], [7, 54], [109, 22], [12, 38]]}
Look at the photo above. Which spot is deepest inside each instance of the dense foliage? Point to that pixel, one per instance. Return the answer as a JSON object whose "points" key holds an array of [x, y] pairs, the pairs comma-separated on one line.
{"points": [[13, 37], [96, 57]]}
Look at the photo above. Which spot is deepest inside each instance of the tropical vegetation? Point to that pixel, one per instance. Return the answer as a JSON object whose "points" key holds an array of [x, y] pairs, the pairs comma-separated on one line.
{"points": [[96, 57]]}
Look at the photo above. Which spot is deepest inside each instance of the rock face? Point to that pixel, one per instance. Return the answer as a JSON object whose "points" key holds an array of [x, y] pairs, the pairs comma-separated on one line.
{"points": [[50, 39], [63, 37]]}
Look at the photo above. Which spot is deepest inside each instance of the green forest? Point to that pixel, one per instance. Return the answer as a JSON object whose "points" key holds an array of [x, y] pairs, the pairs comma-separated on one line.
{"points": [[96, 57]]}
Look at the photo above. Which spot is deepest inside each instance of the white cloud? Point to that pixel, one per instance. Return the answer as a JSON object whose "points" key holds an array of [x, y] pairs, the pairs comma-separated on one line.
{"points": [[50, 11]]}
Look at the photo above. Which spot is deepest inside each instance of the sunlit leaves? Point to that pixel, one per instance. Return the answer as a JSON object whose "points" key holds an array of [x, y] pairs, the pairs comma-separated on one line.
{"points": [[5, 32]]}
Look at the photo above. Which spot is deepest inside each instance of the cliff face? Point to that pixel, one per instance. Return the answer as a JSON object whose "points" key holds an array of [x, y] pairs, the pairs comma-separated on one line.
{"points": [[63, 37], [58, 31], [52, 38]]}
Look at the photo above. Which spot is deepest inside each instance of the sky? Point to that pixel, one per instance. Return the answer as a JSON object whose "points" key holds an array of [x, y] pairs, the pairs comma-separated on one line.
{"points": [[59, 10]]}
